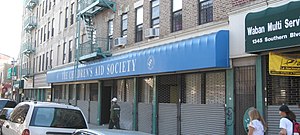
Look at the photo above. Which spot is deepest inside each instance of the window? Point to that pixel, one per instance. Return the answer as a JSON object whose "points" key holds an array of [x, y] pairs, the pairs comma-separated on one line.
{"points": [[110, 32], [66, 16], [60, 23], [34, 63], [18, 115], [46, 6], [124, 25], [155, 13], [48, 35], [72, 14], [51, 58], [38, 36], [44, 33], [205, 11], [53, 2], [50, 5], [57, 54], [64, 53], [43, 8], [41, 34], [52, 32], [70, 50], [57, 118], [47, 58], [176, 15], [43, 62], [139, 25], [40, 62], [37, 12]]}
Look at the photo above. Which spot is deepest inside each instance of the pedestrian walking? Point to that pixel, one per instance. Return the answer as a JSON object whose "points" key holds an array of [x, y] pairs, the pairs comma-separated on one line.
{"points": [[286, 125], [114, 115], [257, 124]]}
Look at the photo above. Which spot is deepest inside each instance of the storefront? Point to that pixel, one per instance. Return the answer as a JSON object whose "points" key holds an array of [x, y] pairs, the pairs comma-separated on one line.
{"points": [[160, 90], [274, 34]]}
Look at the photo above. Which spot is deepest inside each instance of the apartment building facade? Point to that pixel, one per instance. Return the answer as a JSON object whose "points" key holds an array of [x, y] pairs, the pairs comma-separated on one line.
{"points": [[145, 53], [176, 66], [49, 28]]}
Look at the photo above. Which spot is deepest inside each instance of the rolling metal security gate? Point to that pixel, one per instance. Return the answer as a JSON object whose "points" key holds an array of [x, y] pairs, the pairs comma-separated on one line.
{"points": [[202, 107], [244, 94], [145, 98], [125, 95], [167, 89]]}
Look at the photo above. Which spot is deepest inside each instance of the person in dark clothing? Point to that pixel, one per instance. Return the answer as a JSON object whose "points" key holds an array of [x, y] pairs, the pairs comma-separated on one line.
{"points": [[114, 115]]}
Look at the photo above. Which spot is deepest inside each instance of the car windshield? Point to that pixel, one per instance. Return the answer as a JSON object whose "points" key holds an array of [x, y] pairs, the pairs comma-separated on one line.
{"points": [[2, 103], [57, 118]]}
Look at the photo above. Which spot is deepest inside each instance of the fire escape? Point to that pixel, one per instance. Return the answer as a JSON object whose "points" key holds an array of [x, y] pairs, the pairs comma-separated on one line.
{"points": [[27, 48], [95, 47]]}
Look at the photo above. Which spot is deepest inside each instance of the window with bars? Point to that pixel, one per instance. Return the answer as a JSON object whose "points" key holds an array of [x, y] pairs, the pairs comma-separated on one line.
{"points": [[205, 11], [145, 90], [281, 89], [139, 25], [176, 15], [125, 90]]}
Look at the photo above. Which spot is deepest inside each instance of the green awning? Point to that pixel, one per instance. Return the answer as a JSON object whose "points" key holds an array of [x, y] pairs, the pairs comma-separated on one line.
{"points": [[273, 28]]}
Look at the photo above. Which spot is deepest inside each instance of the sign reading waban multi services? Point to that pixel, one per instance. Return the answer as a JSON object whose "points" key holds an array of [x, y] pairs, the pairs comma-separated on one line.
{"points": [[273, 28]]}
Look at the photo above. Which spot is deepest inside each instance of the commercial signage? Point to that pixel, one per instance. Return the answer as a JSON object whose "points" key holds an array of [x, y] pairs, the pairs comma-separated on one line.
{"points": [[208, 51], [284, 64], [273, 28]]}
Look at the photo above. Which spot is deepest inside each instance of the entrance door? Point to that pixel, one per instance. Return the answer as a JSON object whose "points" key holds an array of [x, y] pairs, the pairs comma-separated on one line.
{"points": [[244, 94], [105, 106]]}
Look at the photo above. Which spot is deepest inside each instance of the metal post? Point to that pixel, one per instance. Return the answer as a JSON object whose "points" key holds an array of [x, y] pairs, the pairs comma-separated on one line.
{"points": [[135, 104], [155, 108], [229, 102], [259, 86], [100, 83]]}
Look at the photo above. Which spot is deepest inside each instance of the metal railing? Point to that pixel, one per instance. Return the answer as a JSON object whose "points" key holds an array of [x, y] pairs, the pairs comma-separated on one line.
{"points": [[30, 3], [27, 71], [30, 23], [82, 4], [97, 45], [27, 48]]}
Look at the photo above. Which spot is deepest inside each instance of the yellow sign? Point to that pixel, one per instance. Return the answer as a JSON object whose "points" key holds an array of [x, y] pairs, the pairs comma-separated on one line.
{"points": [[284, 64]]}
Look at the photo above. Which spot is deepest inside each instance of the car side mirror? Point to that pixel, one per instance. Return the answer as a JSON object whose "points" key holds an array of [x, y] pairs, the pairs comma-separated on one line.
{"points": [[3, 117]]}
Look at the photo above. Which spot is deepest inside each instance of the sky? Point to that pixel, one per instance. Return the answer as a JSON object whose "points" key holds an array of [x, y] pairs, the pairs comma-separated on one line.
{"points": [[10, 27]]}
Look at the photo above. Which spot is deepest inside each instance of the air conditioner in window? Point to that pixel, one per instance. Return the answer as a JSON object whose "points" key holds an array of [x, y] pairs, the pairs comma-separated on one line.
{"points": [[152, 32], [120, 41]]}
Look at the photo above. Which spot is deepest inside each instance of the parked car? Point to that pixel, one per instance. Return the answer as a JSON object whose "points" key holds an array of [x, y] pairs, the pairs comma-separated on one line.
{"points": [[4, 115], [107, 132], [7, 103], [44, 118]]}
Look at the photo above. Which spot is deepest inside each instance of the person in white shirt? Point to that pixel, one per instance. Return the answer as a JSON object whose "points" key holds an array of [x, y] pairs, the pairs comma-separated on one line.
{"points": [[257, 124], [286, 125]]}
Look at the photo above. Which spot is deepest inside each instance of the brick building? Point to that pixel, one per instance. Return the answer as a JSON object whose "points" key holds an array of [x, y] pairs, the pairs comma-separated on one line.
{"points": [[169, 62]]}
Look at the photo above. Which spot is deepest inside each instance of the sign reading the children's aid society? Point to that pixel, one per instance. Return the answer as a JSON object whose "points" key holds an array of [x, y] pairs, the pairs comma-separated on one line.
{"points": [[284, 64], [273, 28]]}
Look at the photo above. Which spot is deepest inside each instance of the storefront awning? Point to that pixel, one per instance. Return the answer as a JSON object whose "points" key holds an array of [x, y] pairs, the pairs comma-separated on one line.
{"points": [[273, 28], [203, 52]]}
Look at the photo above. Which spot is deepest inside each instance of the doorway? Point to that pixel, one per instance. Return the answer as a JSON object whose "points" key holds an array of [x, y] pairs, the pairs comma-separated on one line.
{"points": [[105, 104]]}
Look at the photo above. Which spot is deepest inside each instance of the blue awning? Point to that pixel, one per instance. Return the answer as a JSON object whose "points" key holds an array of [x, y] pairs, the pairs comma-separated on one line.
{"points": [[203, 52]]}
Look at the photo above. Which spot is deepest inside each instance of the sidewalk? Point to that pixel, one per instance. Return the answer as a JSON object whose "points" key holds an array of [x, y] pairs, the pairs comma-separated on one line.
{"points": [[94, 126]]}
